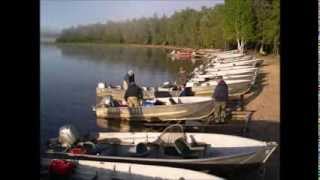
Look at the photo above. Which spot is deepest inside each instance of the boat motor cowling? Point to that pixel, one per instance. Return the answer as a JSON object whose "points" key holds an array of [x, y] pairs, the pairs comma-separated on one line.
{"points": [[101, 85], [68, 135]]}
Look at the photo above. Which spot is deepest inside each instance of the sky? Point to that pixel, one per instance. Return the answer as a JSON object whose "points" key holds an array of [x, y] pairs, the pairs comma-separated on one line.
{"points": [[59, 14]]}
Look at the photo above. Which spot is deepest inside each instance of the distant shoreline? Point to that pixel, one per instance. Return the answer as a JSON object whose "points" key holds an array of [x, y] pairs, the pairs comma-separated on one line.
{"points": [[167, 47], [171, 47]]}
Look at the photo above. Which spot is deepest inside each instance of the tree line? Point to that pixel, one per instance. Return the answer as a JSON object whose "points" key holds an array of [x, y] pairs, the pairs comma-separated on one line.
{"points": [[242, 24]]}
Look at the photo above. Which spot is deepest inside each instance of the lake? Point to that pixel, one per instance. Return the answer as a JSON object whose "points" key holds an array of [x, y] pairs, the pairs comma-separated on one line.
{"points": [[69, 74]]}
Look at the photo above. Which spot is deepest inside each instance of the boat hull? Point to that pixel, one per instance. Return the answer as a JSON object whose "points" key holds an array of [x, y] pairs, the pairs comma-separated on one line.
{"points": [[175, 112], [130, 171], [227, 151]]}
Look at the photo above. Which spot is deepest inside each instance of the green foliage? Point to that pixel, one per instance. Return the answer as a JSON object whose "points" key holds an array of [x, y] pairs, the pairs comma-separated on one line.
{"points": [[239, 20], [253, 21]]}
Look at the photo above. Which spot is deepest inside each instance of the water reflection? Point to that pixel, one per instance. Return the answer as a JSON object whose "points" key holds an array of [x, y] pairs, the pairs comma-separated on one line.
{"points": [[115, 125], [70, 73], [142, 58]]}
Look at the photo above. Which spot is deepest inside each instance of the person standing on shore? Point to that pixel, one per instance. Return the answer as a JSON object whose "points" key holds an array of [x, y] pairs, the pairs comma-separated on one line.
{"points": [[133, 95], [220, 95], [182, 78], [128, 78]]}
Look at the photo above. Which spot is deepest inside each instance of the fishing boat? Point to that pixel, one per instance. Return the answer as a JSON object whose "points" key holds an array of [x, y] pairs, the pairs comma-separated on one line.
{"points": [[226, 73], [173, 147], [236, 70], [215, 82], [226, 56], [117, 92], [89, 170], [231, 60], [170, 109], [254, 63], [225, 53], [232, 79], [232, 57], [227, 77], [205, 51], [236, 89], [216, 68], [181, 54]]}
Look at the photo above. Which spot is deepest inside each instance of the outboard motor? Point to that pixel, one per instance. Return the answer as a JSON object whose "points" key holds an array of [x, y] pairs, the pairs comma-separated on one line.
{"points": [[101, 85], [68, 135]]}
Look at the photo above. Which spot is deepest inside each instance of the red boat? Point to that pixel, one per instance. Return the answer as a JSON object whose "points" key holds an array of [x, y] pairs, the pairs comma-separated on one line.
{"points": [[181, 55]]}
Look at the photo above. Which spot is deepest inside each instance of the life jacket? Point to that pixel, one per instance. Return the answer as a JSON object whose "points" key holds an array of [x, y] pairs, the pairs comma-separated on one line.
{"points": [[61, 167]]}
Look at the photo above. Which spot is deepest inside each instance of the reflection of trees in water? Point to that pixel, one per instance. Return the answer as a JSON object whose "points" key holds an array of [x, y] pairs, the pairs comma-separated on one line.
{"points": [[142, 58]]}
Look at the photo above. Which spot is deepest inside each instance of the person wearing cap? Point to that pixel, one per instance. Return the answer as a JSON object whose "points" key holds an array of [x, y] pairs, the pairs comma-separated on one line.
{"points": [[182, 78], [220, 95], [128, 78], [133, 95]]}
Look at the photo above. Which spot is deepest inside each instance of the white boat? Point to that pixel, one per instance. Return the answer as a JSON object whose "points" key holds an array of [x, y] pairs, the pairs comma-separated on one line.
{"points": [[98, 170], [175, 148], [228, 82], [254, 63], [228, 72], [183, 108], [214, 69], [224, 53], [234, 70], [226, 60], [226, 56], [227, 77]]}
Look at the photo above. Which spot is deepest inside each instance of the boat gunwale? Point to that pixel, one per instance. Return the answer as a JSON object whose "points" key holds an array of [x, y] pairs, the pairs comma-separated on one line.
{"points": [[165, 105]]}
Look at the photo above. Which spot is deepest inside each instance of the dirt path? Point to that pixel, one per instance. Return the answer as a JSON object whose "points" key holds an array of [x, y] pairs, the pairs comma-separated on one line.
{"points": [[267, 103], [265, 123]]}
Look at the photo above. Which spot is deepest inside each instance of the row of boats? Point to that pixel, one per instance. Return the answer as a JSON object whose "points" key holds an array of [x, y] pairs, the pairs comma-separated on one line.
{"points": [[180, 154], [239, 71]]}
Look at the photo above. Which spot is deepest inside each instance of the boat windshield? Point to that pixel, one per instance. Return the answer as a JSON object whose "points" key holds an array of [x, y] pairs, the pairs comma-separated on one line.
{"points": [[170, 134]]}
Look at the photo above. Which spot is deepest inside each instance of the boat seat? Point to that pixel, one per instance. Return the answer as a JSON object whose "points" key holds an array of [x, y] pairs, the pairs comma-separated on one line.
{"points": [[185, 150], [142, 150]]}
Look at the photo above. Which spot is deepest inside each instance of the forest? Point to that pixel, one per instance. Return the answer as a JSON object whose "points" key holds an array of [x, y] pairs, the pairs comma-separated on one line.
{"points": [[241, 24]]}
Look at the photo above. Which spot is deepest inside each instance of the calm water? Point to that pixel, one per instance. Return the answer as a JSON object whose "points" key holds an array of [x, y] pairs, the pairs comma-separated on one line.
{"points": [[70, 73]]}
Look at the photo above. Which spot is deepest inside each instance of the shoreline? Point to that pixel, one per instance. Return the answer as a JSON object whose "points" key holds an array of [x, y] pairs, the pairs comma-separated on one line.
{"points": [[170, 47], [167, 47]]}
